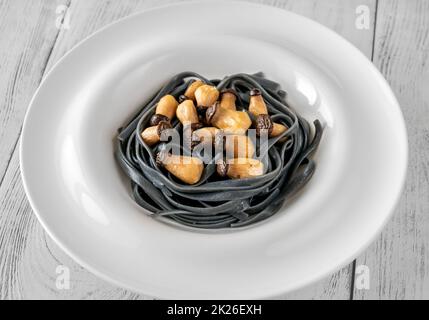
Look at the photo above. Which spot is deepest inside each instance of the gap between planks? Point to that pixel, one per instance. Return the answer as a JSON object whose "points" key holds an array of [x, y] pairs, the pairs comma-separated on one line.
{"points": [[43, 73]]}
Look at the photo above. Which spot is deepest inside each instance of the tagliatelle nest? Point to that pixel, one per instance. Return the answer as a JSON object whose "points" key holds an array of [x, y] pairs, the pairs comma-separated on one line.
{"points": [[224, 189]]}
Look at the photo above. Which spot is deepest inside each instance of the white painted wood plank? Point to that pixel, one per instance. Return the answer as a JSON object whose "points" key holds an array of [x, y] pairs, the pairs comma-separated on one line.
{"points": [[29, 257], [339, 16], [334, 287], [399, 260], [28, 31]]}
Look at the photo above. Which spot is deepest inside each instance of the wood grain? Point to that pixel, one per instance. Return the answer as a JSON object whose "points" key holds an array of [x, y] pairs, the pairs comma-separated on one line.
{"points": [[28, 258], [28, 33], [398, 260]]}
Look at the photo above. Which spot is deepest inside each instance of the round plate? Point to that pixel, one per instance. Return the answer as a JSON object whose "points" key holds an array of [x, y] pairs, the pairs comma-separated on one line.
{"points": [[82, 199]]}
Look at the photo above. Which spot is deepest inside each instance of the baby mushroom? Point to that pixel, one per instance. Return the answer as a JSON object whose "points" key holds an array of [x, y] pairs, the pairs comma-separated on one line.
{"points": [[152, 135], [165, 110], [186, 169], [278, 129], [228, 98], [190, 91], [188, 116], [238, 146], [257, 104], [240, 168], [206, 95], [187, 113], [231, 122], [259, 110], [206, 134]]}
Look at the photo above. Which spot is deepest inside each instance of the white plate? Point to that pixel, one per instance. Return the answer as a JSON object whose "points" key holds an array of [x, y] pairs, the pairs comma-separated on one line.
{"points": [[83, 201]]}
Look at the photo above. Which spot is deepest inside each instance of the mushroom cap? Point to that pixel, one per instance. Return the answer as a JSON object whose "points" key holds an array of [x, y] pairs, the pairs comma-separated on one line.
{"points": [[222, 168], [161, 156], [196, 126], [229, 90], [163, 125], [211, 111], [157, 118], [255, 92], [264, 123], [183, 98]]}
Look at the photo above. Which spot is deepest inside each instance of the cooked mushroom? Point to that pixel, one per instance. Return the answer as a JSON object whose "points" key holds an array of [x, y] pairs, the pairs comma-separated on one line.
{"points": [[152, 135], [206, 96], [206, 134], [228, 98], [165, 110], [238, 146], [186, 169], [231, 122], [187, 113], [188, 116], [257, 104], [240, 168], [278, 129], [190, 91], [259, 110]]}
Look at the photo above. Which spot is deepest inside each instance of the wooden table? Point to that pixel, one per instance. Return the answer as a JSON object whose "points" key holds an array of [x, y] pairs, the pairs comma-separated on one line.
{"points": [[35, 34]]}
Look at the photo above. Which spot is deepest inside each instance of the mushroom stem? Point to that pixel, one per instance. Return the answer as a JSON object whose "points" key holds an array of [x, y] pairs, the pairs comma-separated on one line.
{"points": [[240, 168], [278, 129], [165, 110], [152, 135], [239, 146], [228, 99], [257, 104], [263, 123], [186, 169], [190, 91], [206, 134], [187, 113], [231, 122], [206, 95]]}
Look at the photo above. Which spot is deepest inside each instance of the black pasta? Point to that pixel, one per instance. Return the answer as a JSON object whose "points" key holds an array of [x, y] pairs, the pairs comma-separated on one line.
{"points": [[213, 203]]}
